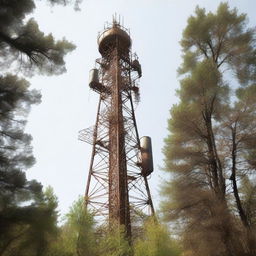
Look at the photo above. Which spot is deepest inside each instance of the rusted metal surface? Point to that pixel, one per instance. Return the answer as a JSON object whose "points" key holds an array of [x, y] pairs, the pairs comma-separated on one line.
{"points": [[109, 37], [146, 156], [116, 191]]}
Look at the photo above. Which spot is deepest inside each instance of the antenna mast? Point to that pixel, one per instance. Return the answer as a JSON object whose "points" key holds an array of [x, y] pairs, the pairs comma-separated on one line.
{"points": [[117, 187]]}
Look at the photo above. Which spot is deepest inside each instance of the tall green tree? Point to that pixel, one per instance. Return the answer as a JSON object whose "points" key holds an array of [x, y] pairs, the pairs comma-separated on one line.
{"points": [[76, 236], [210, 145], [82, 226], [28, 51]]}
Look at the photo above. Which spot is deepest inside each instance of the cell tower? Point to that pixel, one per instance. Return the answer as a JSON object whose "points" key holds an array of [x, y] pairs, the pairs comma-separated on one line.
{"points": [[117, 186]]}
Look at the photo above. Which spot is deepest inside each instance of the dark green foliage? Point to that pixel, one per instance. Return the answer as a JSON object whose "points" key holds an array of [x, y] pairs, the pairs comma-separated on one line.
{"points": [[23, 46], [15, 156], [28, 229], [76, 3], [27, 215], [16, 100]]}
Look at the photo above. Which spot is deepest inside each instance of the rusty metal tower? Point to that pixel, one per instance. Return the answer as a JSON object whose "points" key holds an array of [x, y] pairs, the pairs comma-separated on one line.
{"points": [[117, 186]]}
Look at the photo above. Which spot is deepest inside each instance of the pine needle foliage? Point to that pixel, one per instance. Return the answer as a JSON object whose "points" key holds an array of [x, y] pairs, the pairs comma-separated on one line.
{"points": [[156, 241], [27, 214], [212, 130]]}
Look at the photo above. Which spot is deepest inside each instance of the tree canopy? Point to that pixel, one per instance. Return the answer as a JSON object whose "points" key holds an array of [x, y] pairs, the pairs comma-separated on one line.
{"points": [[28, 216], [210, 147], [23, 46]]}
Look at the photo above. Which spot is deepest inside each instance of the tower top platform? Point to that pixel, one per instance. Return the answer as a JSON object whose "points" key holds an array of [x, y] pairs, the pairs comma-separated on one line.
{"points": [[112, 37]]}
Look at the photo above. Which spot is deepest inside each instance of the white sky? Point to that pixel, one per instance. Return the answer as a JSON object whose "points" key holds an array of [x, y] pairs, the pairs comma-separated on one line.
{"points": [[67, 103]]}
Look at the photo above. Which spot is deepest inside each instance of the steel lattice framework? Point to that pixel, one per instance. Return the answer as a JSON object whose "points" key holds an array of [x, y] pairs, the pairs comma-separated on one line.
{"points": [[116, 189]]}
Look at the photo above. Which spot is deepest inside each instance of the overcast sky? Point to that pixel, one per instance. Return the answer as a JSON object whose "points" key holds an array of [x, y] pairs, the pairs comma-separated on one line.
{"points": [[68, 105]]}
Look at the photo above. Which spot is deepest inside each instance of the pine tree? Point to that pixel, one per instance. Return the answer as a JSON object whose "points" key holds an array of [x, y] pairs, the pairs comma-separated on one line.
{"points": [[77, 235], [27, 230], [210, 146], [25, 218]]}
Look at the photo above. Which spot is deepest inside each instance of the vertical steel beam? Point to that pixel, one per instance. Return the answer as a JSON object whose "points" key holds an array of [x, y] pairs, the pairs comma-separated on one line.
{"points": [[118, 189], [95, 131]]}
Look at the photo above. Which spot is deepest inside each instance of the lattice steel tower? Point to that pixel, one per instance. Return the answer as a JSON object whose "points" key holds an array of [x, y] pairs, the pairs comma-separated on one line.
{"points": [[117, 186]]}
